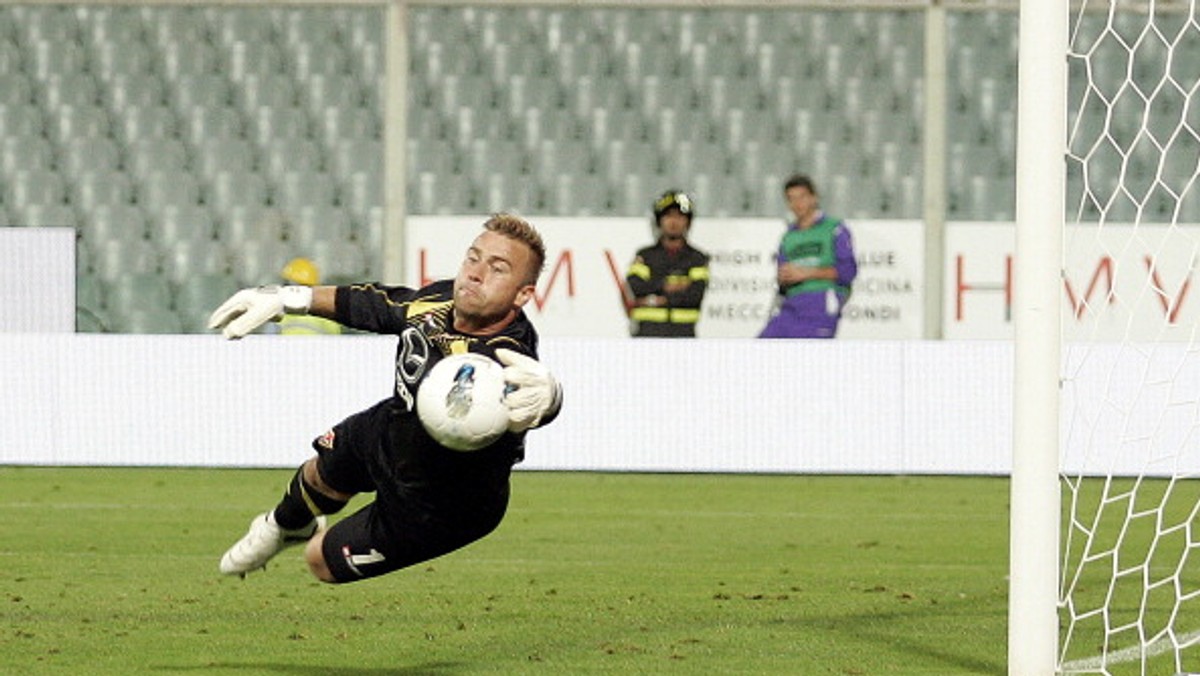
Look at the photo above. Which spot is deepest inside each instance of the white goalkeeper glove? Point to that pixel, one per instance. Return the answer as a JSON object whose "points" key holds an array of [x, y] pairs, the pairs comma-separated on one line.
{"points": [[538, 395], [249, 309]]}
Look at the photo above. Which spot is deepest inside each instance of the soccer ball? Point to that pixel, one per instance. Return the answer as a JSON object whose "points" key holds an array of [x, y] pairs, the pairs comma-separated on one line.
{"points": [[461, 402]]}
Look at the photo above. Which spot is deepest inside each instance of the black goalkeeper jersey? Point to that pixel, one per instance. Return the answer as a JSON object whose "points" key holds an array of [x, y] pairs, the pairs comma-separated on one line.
{"points": [[423, 320]]}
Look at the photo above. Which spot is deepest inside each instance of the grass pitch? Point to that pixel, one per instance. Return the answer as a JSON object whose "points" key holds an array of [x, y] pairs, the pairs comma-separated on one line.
{"points": [[113, 571]]}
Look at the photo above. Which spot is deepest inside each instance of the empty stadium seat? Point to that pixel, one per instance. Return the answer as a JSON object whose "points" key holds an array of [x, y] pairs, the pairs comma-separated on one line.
{"points": [[224, 154], [20, 120], [95, 188], [113, 222], [196, 299], [310, 224], [183, 222], [230, 189], [258, 261], [82, 154], [151, 154], [125, 90], [251, 223], [300, 189], [185, 259], [282, 155], [115, 258]]}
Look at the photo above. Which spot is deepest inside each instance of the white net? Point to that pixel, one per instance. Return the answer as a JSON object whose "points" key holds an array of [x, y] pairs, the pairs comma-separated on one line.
{"points": [[1130, 594]]}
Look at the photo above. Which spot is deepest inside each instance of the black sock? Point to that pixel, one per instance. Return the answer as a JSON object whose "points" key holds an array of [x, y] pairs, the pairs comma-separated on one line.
{"points": [[302, 503]]}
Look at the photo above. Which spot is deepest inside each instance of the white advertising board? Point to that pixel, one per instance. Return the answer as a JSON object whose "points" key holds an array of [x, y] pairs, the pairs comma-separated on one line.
{"points": [[580, 293], [37, 280], [1141, 275]]}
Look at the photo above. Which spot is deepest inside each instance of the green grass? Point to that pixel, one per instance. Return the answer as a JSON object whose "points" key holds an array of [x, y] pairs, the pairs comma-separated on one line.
{"points": [[113, 571]]}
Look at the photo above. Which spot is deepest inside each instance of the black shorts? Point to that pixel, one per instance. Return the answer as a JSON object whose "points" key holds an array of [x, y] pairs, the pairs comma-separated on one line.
{"points": [[429, 500]]}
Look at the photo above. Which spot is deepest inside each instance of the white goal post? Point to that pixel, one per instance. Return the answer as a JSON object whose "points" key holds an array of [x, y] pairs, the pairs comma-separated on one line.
{"points": [[1041, 179], [1106, 432]]}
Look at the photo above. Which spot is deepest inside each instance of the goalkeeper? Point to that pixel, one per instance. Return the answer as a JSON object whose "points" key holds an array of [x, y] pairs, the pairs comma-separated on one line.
{"points": [[429, 500]]}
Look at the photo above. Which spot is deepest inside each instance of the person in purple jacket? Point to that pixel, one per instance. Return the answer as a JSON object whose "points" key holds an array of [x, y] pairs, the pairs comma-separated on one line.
{"points": [[816, 267]]}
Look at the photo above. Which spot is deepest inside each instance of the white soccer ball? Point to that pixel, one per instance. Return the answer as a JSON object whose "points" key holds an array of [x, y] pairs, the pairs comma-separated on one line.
{"points": [[461, 402]]}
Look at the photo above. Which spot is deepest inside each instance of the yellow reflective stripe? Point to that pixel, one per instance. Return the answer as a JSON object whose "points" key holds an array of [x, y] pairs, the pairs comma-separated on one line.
{"points": [[684, 316], [649, 314], [663, 315], [698, 274], [639, 270], [676, 279]]}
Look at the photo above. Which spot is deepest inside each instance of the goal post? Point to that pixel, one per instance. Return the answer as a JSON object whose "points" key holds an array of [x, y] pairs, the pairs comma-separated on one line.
{"points": [[1037, 294]]}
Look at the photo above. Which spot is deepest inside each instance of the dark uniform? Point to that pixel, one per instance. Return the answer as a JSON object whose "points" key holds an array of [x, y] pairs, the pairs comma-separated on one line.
{"points": [[654, 266], [429, 500]]}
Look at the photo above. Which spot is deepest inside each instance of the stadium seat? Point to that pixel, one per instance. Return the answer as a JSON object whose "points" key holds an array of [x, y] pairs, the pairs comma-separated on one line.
{"points": [[322, 90], [282, 155], [341, 262], [229, 189], [201, 91], [183, 222], [115, 258], [21, 152], [242, 24], [112, 25], [337, 123], [253, 59], [21, 120], [149, 320], [15, 89], [152, 154], [116, 57], [269, 124], [206, 123], [366, 155], [139, 123], [310, 224], [45, 215], [272, 90], [49, 60], [83, 154], [362, 191], [160, 189], [74, 89], [251, 223], [184, 60], [126, 90], [82, 121], [109, 222], [317, 58], [95, 188], [258, 261], [127, 291], [35, 186], [49, 23], [224, 154], [300, 189], [199, 295], [185, 259]]}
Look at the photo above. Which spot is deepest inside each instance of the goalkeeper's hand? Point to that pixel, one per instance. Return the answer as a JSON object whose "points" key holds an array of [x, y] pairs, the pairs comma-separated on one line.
{"points": [[537, 396], [249, 309]]}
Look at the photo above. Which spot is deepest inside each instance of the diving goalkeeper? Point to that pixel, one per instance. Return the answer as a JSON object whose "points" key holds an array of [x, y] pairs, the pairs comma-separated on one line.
{"points": [[429, 500]]}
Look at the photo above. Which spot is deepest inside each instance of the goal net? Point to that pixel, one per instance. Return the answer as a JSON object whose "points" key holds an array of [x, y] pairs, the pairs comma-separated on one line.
{"points": [[1130, 364]]}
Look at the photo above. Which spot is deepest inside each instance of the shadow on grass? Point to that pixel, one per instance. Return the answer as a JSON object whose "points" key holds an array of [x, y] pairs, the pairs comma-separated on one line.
{"points": [[431, 669]]}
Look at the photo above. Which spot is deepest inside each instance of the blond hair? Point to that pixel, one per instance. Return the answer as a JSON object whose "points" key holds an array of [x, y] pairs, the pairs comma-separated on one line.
{"points": [[515, 227]]}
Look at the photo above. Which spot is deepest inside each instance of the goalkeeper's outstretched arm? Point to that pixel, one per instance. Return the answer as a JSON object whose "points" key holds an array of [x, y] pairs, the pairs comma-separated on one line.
{"points": [[249, 309]]}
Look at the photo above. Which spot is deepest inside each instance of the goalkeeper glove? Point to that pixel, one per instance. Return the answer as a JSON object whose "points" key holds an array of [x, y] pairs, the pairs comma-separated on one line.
{"points": [[538, 395], [249, 309]]}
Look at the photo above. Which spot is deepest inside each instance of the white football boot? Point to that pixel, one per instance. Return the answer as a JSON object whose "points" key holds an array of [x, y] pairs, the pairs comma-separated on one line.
{"points": [[263, 541]]}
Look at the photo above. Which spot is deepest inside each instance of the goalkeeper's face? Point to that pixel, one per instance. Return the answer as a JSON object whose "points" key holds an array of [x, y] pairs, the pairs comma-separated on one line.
{"points": [[493, 282]]}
